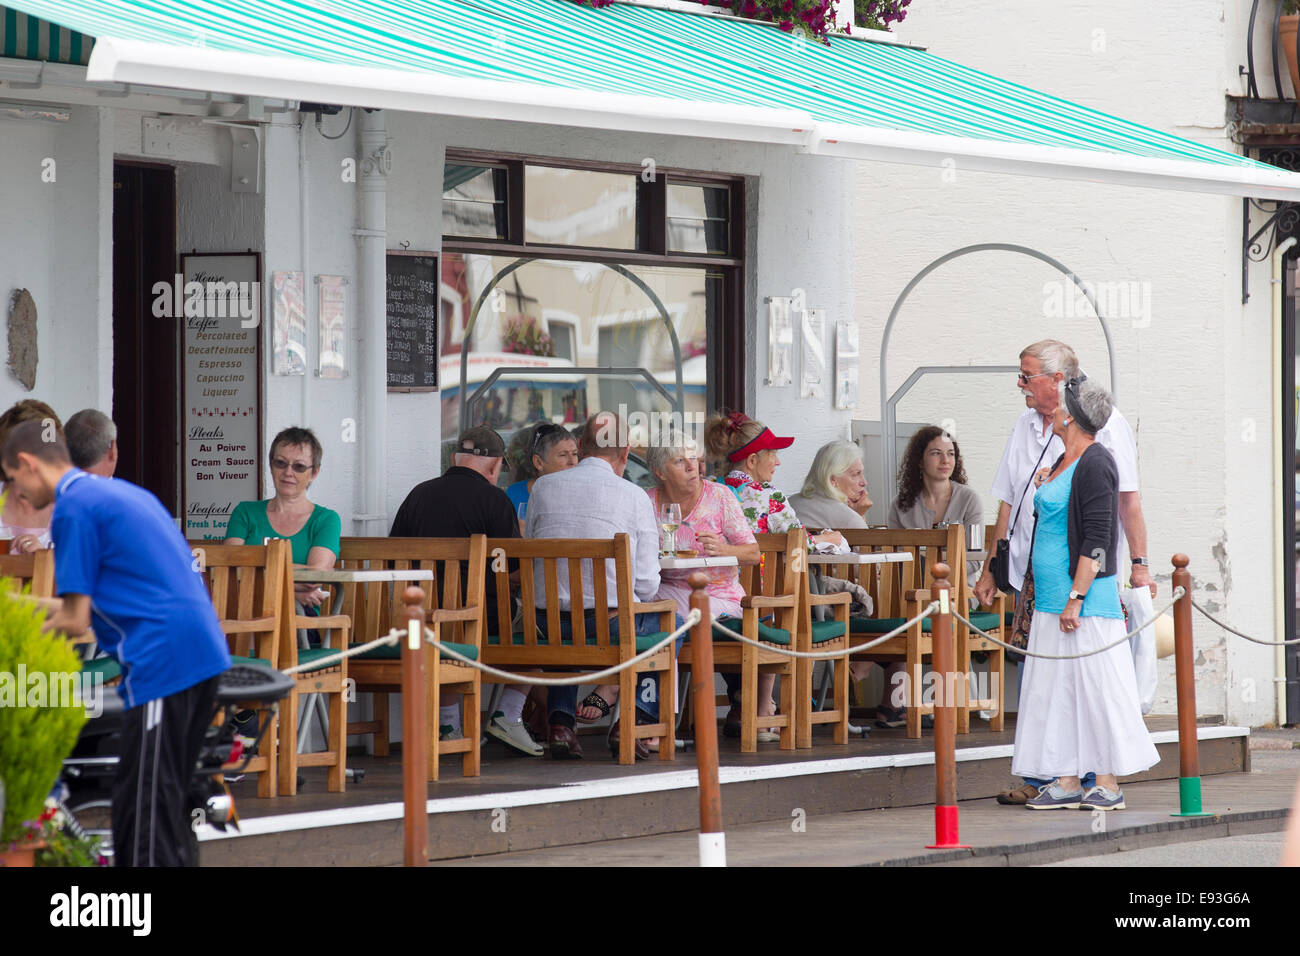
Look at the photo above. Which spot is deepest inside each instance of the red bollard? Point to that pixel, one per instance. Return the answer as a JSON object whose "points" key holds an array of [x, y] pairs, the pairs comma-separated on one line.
{"points": [[415, 739], [946, 829], [713, 842]]}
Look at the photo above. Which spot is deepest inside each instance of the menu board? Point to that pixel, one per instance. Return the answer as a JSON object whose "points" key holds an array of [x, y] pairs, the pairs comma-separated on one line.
{"points": [[412, 320], [222, 363]]}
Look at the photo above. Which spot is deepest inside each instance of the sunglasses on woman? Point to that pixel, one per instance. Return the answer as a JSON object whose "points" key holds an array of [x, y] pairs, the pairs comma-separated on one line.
{"points": [[279, 464]]}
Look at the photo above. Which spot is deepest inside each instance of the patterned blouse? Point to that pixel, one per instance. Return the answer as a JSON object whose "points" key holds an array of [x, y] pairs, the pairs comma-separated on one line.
{"points": [[717, 513], [766, 509]]}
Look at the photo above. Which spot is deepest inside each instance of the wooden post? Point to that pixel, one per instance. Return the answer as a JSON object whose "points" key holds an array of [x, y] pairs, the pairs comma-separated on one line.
{"points": [[713, 842], [946, 830], [415, 739], [1189, 771]]}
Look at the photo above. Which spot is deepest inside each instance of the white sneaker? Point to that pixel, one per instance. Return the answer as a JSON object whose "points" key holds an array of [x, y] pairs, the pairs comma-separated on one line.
{"points": [[514, 734]]}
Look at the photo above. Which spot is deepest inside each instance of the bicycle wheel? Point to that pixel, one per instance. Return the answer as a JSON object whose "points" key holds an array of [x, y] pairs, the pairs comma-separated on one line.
{"points": [[95, 817]]}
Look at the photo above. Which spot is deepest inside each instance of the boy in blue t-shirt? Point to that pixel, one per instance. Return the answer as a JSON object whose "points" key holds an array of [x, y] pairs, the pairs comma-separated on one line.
{"points": [[121, 564]]}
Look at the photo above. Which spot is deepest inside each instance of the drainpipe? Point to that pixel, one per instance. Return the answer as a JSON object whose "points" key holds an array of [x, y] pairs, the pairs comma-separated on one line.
{"points": [[1280, 509], [374, 164], [304, 245]]}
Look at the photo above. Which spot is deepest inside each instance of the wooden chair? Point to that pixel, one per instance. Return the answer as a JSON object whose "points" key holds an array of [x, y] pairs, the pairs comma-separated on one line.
{"points": [[248, 588], [455, 611], [890, 584], [825, 635], [773, 587], [532, 653], [330, 680]]}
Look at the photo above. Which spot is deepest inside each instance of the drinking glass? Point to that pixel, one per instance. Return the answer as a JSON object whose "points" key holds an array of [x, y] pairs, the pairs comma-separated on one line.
{"points": [[670, 519]]}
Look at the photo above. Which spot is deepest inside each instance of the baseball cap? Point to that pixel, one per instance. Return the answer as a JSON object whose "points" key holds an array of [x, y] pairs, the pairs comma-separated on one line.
{"points": [[764, 441], [482, 441]]}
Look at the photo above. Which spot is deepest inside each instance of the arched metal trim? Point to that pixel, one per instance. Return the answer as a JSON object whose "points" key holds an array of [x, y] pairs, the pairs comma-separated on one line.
{"points": [[679, 404], [888, 423]]}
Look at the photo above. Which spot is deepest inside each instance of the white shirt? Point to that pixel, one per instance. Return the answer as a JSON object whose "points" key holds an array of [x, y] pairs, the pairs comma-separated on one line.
{"points": [[1026, 444], [590, 501]]}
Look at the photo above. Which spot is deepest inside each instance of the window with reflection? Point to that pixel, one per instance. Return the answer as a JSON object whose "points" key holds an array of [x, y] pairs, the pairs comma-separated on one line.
{"points": [[580, 207], [622, 317], [474, 201], [699, 218]]}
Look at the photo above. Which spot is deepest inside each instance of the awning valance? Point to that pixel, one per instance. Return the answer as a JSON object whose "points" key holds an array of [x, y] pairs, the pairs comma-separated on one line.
{"points": [[640, 69]]}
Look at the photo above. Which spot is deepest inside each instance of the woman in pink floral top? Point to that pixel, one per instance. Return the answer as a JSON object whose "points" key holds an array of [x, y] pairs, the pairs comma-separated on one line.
{"points": [[751, 450], [712, 524]]}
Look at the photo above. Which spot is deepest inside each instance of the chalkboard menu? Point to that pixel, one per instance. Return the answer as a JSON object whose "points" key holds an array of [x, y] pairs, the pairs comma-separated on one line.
{"points": [[412, 292]]}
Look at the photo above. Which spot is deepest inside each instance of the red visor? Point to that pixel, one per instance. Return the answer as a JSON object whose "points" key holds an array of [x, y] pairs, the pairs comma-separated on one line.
{"points": [[765, 440]]}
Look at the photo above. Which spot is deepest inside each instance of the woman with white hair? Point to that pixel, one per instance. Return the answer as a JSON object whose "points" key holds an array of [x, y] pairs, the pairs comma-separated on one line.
{"points": [[1081, 714], [834, 494]]}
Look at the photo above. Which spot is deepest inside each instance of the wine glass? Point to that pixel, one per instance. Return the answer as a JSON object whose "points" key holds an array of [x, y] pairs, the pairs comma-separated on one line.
{"points": [[670, 519]]}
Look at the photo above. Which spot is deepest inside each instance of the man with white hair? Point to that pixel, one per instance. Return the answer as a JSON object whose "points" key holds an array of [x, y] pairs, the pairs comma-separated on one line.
{"points": [[1044, 365], [92, 442]]}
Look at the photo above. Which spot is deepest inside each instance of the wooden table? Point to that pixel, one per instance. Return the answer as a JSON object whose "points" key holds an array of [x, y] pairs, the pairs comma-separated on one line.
{"points": [[855, 557], [305, 575], [683, 564]]}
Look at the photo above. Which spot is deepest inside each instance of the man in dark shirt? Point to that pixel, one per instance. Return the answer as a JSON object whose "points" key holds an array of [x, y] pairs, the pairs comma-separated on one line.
{"points": [[462, 502]]}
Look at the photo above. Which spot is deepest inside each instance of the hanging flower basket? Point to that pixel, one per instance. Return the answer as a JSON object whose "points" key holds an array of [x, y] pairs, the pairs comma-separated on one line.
{"points": [[814, 18]]}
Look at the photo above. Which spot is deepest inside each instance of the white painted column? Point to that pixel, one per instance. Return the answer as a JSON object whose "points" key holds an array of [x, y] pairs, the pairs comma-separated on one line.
{"points": [[374, 162]]}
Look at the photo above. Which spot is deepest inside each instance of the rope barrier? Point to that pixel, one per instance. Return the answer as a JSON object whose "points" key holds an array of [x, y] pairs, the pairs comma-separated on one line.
{"points": [[596, 677], [826, 655], [1231, 630], [1178, 593], [389, 639]]}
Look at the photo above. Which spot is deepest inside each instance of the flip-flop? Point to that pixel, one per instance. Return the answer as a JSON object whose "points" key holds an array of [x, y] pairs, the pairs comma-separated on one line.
{"points": [[600, 703]]}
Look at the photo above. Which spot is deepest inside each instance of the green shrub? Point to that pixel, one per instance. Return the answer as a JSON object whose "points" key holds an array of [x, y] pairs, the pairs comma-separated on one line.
{"points": [[33, 739]]}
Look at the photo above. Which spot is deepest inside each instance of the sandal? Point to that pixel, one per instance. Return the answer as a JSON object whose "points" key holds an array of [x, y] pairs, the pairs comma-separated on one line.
{"points": [[600, 703]]}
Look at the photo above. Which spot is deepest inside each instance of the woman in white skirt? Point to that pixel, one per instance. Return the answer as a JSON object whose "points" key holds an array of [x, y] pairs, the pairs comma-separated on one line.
{"points": [[1082, 714]]}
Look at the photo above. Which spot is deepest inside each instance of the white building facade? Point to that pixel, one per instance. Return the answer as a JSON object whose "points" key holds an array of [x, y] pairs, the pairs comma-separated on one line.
{"points": [[1195, 366]]}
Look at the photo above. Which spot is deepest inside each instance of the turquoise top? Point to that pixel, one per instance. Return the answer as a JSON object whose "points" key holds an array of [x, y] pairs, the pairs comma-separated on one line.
{"points": [[322, 529], [518, 494], [1051, 556]]}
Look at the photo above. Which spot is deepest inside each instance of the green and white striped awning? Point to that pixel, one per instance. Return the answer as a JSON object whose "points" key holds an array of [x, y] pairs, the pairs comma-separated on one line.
{"points": [[644, 69], [24, 37]]}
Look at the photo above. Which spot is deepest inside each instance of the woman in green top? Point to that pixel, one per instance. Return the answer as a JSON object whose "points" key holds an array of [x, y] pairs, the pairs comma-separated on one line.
{"points": [[313, 530]]}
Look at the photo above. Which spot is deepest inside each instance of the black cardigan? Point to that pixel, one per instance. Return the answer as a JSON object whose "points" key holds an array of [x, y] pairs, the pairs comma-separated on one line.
{"points": [[1092, 527]]}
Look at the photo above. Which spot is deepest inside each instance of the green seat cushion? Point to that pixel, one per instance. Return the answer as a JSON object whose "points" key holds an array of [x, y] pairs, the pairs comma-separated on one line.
{"points": [[880, 625], [823, 631], [643, 641], [106, 667], [393, 652], [1008, 619], [766, 632], [235, 659]]}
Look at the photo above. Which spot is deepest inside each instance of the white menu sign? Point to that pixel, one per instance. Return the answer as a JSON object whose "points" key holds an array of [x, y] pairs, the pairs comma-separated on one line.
{"points": [[222, 305]]}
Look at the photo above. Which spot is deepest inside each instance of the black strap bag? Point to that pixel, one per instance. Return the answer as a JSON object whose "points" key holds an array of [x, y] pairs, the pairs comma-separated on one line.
{"points": [[1000, 561]]}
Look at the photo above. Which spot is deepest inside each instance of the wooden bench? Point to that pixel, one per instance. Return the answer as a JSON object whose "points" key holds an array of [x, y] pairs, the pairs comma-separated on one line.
{"points": [[454, 605], [528, 651]]}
